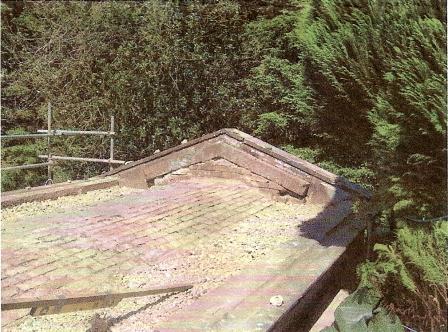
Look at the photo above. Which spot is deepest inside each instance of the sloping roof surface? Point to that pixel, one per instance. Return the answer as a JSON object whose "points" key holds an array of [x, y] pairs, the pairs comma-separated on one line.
{"points": [[240, 219]]}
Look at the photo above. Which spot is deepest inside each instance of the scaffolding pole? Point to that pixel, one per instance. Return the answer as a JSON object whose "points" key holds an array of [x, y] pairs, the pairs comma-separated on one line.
{"points": [[61, 132], [49, 143], [94, 160], [47, 133], [112, 129], [27, 166]]}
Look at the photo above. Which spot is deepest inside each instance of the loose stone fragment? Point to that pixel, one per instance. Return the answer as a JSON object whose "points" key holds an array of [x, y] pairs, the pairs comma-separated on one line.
{"points": [[276, 300]]}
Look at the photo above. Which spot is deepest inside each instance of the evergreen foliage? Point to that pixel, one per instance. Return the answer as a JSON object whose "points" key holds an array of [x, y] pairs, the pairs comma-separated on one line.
{"points": [[167, 72], [355, 86], [411, 275], [376, 74]]}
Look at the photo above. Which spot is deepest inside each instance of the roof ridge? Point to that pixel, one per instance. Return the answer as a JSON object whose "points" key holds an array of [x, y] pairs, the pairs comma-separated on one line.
{"points": [[261, 146]]}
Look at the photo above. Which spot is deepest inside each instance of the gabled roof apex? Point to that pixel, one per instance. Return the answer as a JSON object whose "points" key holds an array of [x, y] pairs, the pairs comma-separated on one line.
{"points": [[228, 142]]}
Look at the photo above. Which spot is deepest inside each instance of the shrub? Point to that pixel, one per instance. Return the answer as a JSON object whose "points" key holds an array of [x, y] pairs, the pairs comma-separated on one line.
{"points": [[411, 274]]}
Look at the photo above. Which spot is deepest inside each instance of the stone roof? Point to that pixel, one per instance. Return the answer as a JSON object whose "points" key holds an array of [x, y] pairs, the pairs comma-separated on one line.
{"points": [[238, 218], [245, 151]]}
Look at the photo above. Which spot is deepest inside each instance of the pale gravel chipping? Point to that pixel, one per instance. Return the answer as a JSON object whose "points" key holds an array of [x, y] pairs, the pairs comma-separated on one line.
{"points": [[61, 204], [211, 262]]}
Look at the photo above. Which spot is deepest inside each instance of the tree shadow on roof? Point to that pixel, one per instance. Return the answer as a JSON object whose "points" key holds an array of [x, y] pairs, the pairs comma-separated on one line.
{"points": [[335, 224]]}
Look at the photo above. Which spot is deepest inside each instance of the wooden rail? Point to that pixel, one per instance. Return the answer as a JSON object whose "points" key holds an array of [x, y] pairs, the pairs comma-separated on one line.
{"points": [[56, 305]]}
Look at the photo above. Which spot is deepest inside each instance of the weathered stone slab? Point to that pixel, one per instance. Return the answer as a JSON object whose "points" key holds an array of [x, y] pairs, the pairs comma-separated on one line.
{"points": [[243, 302], [294, 174]]}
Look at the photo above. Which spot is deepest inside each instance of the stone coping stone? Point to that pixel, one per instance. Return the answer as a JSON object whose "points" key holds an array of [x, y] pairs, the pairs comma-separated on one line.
{"points": [[263, 147], [293, 271]]}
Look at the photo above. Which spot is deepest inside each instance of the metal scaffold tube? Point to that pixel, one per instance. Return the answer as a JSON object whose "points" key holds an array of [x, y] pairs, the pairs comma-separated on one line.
{"points": [[47, 133]]}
